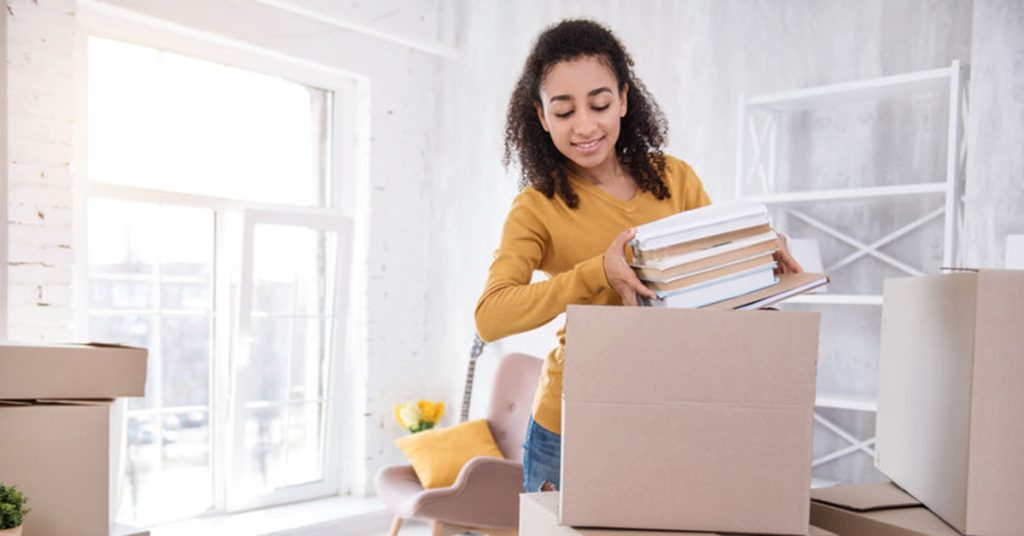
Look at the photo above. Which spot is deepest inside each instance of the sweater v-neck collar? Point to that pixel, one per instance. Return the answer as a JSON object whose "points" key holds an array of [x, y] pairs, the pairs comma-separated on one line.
{"points": [[627, 205]]}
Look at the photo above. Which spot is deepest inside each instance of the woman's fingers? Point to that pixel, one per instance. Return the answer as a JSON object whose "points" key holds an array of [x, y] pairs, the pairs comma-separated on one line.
{"points": [[619, 244], [641, 289], [621, 276], [787, 264]]}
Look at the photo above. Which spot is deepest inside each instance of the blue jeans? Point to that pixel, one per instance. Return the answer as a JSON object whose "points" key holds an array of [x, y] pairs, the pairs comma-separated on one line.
{"points": [[542, 457]]}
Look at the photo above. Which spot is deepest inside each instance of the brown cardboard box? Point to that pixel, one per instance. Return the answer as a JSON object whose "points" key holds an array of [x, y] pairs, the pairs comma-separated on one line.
{"points": [[71, 371], [950, 429], [538, 516], [55, 430], [681, 419], [57, 453], [874, 510]]}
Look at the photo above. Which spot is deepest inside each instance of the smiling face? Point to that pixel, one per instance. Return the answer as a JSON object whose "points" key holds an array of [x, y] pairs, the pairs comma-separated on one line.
{"points": [[581, 108]]}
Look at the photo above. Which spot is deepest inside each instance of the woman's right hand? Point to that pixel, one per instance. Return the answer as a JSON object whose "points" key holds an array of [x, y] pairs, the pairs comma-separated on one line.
{"points": [[619, 274]]}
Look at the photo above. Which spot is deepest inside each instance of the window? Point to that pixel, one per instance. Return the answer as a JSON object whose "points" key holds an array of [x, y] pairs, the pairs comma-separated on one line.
{"points": [[212, 242]]}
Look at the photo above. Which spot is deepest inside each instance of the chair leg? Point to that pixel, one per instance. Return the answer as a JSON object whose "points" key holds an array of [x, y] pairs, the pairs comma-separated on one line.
{"points": [[438, 529], [503, 532], [395, 525]]}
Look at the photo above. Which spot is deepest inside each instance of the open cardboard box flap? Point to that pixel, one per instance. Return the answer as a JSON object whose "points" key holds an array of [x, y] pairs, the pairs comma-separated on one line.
{"points": [[865, 498]]}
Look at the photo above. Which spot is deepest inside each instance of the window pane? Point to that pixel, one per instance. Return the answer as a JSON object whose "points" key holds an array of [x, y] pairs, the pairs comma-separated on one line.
{"points": [[264, 447], [307, 362], [186, 360], [168, 467], [290, 270], [265, 378], [285, 361], [186, 258], [124, 90], [162, 120], [106, 293], [123, 238], [282, 445], [303, 455]]}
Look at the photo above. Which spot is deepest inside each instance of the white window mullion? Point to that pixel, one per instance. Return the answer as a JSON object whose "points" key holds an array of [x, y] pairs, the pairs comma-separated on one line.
{"points": [[224, 278]]}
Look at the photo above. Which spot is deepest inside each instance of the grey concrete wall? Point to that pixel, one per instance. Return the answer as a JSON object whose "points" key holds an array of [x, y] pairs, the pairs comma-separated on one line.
{"points": [[995, 133], [696, 58]]}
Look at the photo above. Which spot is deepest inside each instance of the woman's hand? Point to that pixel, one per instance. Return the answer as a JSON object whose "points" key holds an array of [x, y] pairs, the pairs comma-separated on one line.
{"points": [[786, 263], [618, 272]]}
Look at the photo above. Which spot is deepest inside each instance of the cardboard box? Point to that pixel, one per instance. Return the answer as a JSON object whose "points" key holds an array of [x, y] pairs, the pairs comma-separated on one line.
{"points": [[71, 371], [56, 406], [57, 453], [538, 516], [681, 419], [874, 510], [950, 426]]}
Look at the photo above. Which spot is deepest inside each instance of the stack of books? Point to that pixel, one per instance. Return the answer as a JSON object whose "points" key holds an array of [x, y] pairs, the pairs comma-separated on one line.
{"points": [[718, 256]]}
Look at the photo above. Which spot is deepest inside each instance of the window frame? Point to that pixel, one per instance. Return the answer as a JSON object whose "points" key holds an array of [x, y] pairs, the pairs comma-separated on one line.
{"points": [[347, 157], [335, 379]]}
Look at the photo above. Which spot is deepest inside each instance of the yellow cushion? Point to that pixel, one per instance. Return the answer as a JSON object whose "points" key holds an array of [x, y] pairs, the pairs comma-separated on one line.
{"points": [[438, 455]]}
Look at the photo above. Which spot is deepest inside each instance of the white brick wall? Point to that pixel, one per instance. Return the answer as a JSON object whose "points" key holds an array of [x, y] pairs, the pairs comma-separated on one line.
{"points": [[40, 101]]}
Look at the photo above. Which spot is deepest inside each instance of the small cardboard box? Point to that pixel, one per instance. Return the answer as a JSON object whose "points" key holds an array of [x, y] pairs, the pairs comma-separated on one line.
{"points": [[678, 419], [57, 453], [538, 516], [874, 510], [30, 371], [950, 426]]}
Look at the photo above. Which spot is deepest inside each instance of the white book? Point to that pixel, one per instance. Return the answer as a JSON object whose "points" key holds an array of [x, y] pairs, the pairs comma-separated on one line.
{"points": [[699, 223], [716, 290]]}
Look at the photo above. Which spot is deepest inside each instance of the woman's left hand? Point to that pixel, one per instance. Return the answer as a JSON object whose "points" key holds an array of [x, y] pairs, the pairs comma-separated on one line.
{"points": [[786, 264]]}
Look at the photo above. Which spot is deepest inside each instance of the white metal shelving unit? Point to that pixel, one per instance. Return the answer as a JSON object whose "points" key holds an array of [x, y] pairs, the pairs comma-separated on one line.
{"points": [[759, 120]]}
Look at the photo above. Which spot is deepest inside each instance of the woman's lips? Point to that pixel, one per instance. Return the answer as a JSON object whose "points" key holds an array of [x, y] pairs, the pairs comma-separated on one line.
{"points": [[588, 147]]}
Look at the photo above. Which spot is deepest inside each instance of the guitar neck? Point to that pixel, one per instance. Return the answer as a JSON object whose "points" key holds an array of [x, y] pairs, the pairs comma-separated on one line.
{"points": [[467, 393]]}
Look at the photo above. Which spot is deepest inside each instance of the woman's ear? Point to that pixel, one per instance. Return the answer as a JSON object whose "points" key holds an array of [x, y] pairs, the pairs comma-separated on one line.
{"points": [[540, 116], [623, 101]]}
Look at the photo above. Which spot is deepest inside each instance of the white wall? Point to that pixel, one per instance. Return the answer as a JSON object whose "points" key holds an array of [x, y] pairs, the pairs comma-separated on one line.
{"points": [[696, 58], [40, 105], [3, 179]]}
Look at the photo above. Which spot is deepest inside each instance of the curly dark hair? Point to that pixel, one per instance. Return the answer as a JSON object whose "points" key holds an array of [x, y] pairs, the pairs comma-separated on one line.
{"points": [[643, 129]]}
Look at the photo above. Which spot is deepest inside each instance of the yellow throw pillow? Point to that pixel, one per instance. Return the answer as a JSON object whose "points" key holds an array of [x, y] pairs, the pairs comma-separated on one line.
{"points": [[438, 455]]}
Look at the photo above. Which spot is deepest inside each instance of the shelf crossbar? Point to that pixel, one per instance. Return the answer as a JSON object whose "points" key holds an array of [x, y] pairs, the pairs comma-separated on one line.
{"points": [[848, 194], [933, 78], [888, 238], [855, 445], [836, 299], [849, 240]]}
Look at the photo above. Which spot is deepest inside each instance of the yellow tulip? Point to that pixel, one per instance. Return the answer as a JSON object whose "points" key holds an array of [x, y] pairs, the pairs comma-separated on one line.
{"points": [[431, 411]]}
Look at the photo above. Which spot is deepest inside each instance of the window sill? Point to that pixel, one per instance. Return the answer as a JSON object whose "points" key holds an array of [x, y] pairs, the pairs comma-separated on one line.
{"points": [[332, 515]]}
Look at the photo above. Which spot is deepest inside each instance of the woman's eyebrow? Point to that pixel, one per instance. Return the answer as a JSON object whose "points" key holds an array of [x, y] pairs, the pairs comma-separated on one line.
{"points": [[591, 93]]}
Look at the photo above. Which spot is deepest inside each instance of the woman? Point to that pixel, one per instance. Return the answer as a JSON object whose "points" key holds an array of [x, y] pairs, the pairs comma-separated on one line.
{"points": [[588, 137]]}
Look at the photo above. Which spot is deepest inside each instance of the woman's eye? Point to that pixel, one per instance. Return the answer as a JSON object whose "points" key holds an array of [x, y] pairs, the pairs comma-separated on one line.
{"points": [[601, 108], [563, 115]]}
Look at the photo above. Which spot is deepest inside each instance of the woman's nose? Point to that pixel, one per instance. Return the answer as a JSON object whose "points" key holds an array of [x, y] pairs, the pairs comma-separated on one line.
{"points": [[584, 124]]}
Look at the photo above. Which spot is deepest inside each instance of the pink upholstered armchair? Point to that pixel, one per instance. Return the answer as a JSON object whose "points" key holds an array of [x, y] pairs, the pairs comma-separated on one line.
{"points": [[485, 496]]}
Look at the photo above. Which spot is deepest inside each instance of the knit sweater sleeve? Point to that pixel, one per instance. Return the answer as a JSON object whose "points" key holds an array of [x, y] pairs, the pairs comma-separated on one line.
{"points": [[510, 303]]}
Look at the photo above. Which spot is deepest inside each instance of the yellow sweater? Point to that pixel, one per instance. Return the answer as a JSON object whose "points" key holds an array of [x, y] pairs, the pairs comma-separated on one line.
{"points": [[567, 245]]}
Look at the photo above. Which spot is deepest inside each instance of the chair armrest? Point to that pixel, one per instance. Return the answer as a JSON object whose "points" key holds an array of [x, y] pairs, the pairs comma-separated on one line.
{"points": [[485, 494]]}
